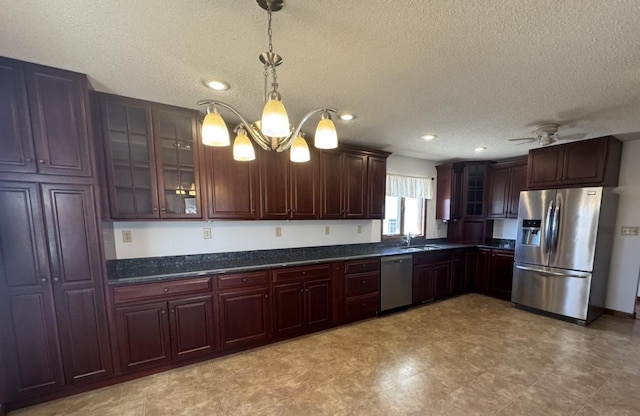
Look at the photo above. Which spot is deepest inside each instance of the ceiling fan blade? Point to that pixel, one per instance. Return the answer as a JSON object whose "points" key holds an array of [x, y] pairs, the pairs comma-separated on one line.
{"points": [[529, 139], [577, 136]]}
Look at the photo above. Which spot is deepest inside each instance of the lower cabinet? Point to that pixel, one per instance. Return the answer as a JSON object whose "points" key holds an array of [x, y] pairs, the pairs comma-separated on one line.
{"points": [[431, 276], [244, 308], [361, 289], [302, 299], [170, 328], [494, 272], [461, 270]]}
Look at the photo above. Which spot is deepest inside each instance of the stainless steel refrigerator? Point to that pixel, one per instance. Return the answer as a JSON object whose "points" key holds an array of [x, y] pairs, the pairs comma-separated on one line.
{"points": [[563, 251]]}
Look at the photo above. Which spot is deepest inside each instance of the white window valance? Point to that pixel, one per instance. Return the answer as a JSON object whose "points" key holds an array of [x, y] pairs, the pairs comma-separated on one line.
{"points": [[409, 187]]}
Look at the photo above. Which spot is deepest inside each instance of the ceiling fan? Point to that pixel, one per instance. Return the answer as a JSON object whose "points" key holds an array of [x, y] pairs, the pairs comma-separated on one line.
{"points": [[546, 134]]}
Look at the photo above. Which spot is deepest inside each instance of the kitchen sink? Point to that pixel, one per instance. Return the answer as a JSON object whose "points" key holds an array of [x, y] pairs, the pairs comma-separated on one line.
{"points": [[419, 248]]}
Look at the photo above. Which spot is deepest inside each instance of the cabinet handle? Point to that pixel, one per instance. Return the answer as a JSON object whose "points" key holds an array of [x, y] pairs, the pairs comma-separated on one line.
{"points": [[244, 279], [41, 161], [165, 290], [44, 279], [56, 279], [163, 312], [155, 209], [307, 290], [364, 282], [301, 290], [266, 296], [363, 304], [28, 159], [304, 272], [172, 310], [293, 210], [163, 209]]}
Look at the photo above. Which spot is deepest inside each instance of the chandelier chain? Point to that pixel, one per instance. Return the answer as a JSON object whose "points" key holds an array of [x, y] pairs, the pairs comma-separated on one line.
{"points": [[269, 31]]}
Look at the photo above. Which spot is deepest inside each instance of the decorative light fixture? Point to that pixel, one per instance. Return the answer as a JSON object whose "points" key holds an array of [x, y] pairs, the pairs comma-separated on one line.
{"points": [[273, 132]]}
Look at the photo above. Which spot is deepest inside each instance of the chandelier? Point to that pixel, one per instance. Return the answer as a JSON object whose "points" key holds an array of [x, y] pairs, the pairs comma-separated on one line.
{"points": [[273, 132]]}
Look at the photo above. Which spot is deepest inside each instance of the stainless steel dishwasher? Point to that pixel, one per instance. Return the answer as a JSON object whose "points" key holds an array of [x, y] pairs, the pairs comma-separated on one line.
{"points": [[396, 281]]}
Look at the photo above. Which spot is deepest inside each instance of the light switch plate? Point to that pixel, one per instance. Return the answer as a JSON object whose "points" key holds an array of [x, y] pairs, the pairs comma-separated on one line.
{"points": [[359, 229], [126, 236], [278, 231], [206, 233], [327, 230], [630, 231]]}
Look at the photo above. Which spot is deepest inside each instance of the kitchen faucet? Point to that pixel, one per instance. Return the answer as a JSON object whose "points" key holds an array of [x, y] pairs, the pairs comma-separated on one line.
{"points": [[408, 239]]}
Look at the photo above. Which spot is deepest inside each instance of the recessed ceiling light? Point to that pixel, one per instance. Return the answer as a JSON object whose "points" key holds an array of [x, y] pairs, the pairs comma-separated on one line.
{"points": [[217, 85], [479, 149], [347, 117], [428, 137]]}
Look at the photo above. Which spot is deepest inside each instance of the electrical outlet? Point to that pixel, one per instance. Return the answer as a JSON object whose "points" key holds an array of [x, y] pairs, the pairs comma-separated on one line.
{"points": [[126, 236], [206, 233], [278, 231], [359, 229], [327, 230], [630, 231]]}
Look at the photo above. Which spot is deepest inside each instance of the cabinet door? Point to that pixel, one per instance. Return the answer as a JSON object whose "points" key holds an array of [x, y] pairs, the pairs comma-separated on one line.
{"points": [[482, 270], [232, 186], [584, 162], [376, 178], [498, 193], [423, 284], [143, 335], [517, 183], [177, 153], [16, 142], [474, 190], [443, 192], [442, 280], [458, 272], [27, 316], [317, 303], [274, 185], [355, 185], [58, 101], [544, 169], [331, 185], [288, 307], [305, 188], [76, 267], [192, 327], [130, 158], [501, 273], [244, 317]]}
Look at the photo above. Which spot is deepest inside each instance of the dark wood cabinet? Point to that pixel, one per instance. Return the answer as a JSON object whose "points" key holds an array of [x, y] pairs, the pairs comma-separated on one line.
{"points": [[53, 318], [191, 326], [288, 190], [594, 162], [152, 159], [506, 180], [233, 187], [449, 191], [361, 289], [43, 117], [432, 276], [143, 335], [501, 275], [482, 270], [461, 260], [302, 299], [244, 309], [352, 184]]}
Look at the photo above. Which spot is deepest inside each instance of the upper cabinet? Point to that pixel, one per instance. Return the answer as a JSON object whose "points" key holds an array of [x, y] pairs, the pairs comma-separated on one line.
{"points": [[352, 184], [506, 180], [151, 154], [43, 118], [594, 162]]}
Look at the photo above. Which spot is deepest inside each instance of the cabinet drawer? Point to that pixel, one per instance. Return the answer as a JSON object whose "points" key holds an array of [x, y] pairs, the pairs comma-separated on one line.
{"points": [[240, 280], [135, 293], [301, 273], [362, 306], [360, 266], [360, 283]]}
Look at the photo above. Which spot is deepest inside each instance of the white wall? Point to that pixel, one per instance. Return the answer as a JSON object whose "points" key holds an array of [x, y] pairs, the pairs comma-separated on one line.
{"points": [[407, 166], [625, 259], [165, 238], [507, 229]]}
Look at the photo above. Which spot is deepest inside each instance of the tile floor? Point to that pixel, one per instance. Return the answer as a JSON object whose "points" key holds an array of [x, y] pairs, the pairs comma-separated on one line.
{"points": [[470, 355]]}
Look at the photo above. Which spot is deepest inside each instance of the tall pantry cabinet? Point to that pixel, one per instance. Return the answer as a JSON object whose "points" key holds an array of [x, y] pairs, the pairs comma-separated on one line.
{"points": [[53, 324]]}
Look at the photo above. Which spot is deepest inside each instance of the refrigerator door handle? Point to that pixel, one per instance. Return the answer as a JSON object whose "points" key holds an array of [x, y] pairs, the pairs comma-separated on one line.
{"points": [[548, 273], [547, 227], [555, 228]]}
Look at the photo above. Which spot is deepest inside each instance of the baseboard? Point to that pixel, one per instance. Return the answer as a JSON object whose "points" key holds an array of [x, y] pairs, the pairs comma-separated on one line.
{"points": [[620, 314]]}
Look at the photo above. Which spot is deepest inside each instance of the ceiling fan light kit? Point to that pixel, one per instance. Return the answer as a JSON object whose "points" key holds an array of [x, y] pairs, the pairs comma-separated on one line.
{"points": [[273, 132], [546, 134]]}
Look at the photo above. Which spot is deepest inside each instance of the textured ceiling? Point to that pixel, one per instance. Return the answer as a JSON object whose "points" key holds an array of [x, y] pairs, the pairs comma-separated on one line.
{"points": [[476, 73]]}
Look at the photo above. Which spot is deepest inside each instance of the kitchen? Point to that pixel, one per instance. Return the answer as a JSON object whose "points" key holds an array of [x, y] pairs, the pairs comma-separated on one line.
{"points": [[149, 239]]}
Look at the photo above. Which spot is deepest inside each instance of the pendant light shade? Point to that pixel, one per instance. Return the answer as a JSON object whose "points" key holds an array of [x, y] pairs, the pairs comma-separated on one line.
{"points": [[326, 136], [275, 121], [242, 147], [299, 150], [214, 130]]}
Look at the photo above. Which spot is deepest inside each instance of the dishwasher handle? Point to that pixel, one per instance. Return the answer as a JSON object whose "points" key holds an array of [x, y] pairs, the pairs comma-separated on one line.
{"points": [[397, 259]]}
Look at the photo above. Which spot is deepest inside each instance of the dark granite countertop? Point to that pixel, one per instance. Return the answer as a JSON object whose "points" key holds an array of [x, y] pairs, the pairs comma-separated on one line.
{"points": [[153, 269]]}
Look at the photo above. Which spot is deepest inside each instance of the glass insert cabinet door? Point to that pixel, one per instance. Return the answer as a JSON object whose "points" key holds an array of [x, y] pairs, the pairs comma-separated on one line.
{"points": [[176, 142], [151, 154]]}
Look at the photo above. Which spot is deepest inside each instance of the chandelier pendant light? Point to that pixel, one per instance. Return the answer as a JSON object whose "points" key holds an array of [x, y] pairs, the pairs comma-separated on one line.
{"points": [[273, 132]]}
